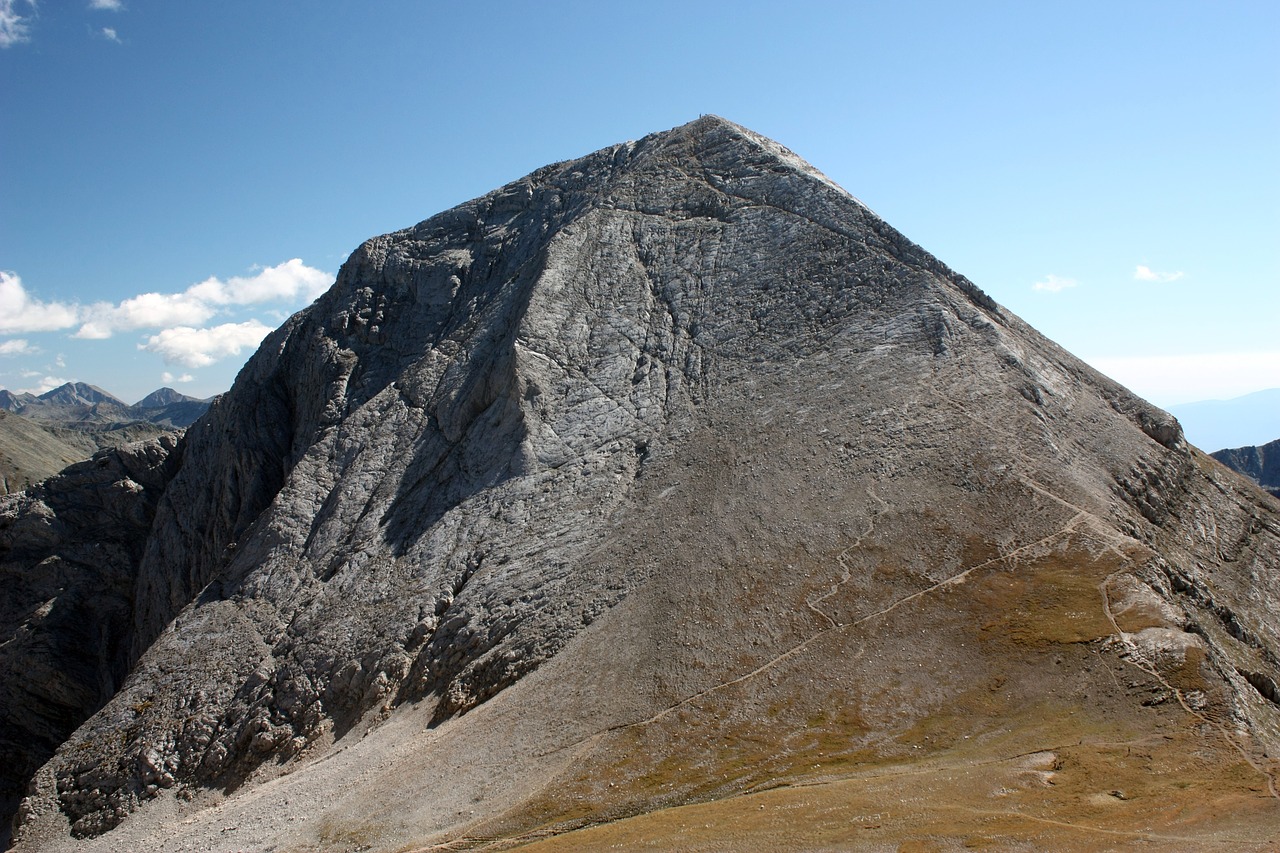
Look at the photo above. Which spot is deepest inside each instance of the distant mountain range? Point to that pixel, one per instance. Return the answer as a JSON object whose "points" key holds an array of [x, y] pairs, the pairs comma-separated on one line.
{"points": [[41, 435], [79, 402], [1253, 419]]}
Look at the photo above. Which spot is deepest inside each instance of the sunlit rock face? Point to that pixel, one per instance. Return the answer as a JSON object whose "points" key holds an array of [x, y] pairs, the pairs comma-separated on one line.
{"points": [[667, 476]]}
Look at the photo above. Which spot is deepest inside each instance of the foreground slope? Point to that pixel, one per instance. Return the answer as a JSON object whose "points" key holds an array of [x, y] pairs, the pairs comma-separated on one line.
{"points": [[671, 490], [29, 452]]}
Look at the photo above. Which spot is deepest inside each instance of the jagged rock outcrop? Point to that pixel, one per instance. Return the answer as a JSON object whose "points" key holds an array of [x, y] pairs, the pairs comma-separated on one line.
{"points": [[1260, 464], [664, 476]]}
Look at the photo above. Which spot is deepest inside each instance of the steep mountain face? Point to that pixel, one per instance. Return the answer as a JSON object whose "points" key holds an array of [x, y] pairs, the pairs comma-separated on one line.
{"points": [[1260, 464], [651, 482], [167, 407], [78, 394], [77, 405], [74, 401]]}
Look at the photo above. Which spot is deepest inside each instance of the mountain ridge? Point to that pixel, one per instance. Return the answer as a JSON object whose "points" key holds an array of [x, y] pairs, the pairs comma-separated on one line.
{"points": [[656, 478], [79, 402]]}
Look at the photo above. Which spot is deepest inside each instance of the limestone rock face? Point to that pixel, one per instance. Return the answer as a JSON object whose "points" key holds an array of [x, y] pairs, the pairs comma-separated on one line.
{"points": [[658, 477]]}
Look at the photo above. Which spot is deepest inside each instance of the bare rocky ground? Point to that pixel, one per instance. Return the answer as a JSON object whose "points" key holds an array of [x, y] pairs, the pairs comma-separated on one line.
{"points": [[669, 498]]}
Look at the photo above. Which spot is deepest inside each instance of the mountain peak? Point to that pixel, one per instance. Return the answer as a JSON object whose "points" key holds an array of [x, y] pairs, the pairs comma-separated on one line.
{"points": [[79, 393], [665, 475], [723, 148], [162, 397]]}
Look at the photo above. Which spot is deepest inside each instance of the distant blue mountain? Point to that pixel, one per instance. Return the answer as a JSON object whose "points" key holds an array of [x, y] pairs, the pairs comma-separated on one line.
{"points": [[1253, 419]]}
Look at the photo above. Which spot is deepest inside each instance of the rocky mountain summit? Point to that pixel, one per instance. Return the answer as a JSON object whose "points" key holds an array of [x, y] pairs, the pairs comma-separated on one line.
{"points": [[668, 495]]}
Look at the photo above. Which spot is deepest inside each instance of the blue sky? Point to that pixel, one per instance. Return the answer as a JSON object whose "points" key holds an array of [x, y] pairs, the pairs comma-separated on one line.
{"points": [[175, 178]]}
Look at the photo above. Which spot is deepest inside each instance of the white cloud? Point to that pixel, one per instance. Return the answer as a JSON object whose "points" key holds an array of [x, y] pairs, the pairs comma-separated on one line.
{"points": [[289, 280], [13, 27], [17, 346], [168, 377], [107, 5], [1142, 273], [199, 302], [144, 311], [202, 347], [110, 34], [1168, 380], [48, 383], [1054, 284], [20, 313]]}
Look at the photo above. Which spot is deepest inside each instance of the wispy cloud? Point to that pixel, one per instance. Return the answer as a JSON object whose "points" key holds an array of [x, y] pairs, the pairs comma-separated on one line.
{"points": [[197, 304], [13, 26], [17, 346], [168, 377], [110, 34], [202, 347], [48, 383], [107, 5], [1053, 284], [19, 312], [1142, 273]]}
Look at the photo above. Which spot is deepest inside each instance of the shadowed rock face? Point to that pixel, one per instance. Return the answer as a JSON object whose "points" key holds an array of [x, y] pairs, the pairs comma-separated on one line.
{"points": [[69, 551], [1260, 464], [652, 478]]}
